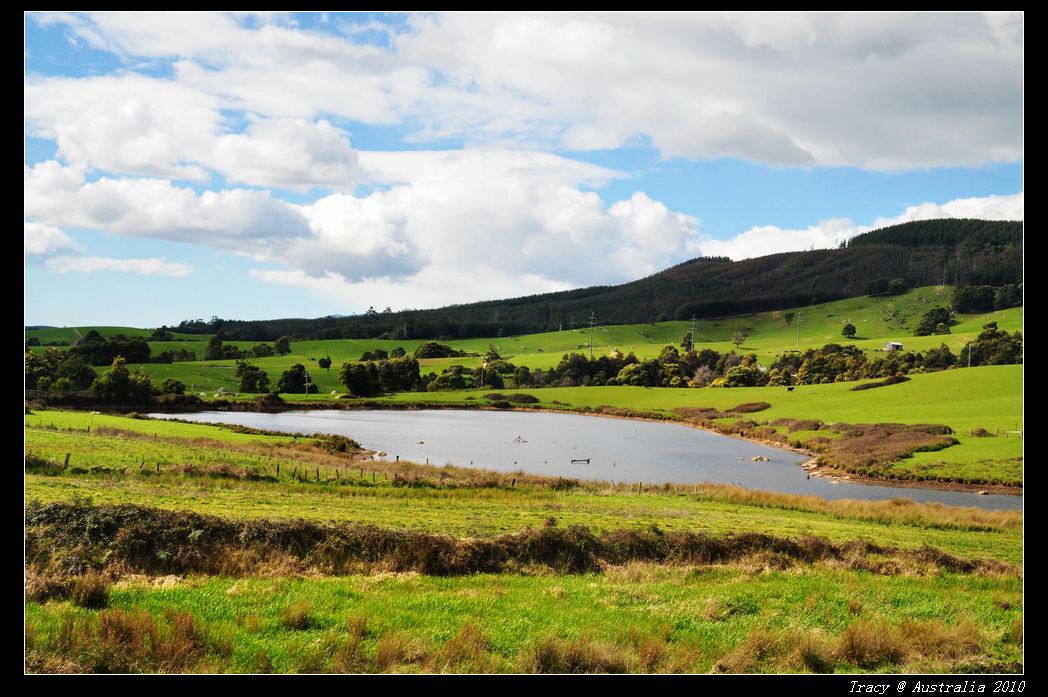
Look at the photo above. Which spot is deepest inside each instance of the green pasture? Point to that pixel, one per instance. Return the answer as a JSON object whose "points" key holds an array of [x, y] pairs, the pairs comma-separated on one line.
{"points": [[641, 618]]}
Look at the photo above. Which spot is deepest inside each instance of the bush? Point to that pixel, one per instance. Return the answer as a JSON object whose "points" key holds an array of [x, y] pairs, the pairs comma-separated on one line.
{"points": [[91, 591]]}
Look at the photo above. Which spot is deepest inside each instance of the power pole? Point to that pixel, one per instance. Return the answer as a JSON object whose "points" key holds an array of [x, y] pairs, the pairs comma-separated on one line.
{"points": [[800, 318], [592, 321], [694, 326]]}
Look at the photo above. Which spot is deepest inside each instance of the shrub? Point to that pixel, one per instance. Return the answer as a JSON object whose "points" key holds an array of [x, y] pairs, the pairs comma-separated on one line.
{"points": [[91, 591]]}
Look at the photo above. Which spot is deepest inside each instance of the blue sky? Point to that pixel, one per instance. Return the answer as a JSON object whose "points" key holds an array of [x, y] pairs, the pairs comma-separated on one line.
{"points": [[273, 165]]}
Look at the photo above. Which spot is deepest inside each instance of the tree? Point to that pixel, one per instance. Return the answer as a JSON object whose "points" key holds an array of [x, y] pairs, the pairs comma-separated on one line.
{"points": [[878, 286], [325, 362], [398, 352], [738, 338], [118, 385], [114, 384], [360, 379], [897, 286], [744, 376], [398, 374], [99, 351], [1009, 295], [431, 349], [295, 381], [213, 352], [971, 299], [788, 317], [935, 321], [848, 330], [77, 371], [262, 350], [282, 346], [685, 342], [252, 378], [172, 386]]}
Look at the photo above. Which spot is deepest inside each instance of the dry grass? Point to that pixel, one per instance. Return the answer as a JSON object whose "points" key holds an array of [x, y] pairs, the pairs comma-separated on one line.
{"points": [[90, 591], [139, 540], [297, 616], [397, 649], [868, 645], [125, 641], [555, 655]]}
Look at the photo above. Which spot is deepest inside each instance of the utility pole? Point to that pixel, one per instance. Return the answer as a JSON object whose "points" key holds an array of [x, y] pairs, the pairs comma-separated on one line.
{"points": [[800, 318], [592, 321], [694, 325]]}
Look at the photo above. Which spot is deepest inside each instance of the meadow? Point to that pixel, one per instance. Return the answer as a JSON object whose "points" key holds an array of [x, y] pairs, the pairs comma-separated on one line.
{"points": [[768, 334], [918, 587], [159, 546]]}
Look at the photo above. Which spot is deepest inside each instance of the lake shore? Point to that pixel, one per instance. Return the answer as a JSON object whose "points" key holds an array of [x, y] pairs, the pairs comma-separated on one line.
{"points": [[811, 464]]}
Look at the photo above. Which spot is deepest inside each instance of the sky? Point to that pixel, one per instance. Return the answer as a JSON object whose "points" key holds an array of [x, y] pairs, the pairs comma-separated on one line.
{"points": [[264, 165]]}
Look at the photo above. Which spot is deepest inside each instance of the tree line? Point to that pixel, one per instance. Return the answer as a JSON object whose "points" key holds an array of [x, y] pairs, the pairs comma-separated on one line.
{"points": [[953, 252]]}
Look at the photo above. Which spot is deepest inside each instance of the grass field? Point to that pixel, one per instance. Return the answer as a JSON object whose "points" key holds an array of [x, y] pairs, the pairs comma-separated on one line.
{"points": [[749, 615], [877, 320], [919, 588], [642, 618]]}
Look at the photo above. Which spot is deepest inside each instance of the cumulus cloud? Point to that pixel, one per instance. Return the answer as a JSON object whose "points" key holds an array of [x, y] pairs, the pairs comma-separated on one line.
{"points": [[524, 213], [292, 154], [129, 123], [134, 124], [886, 91], [236, 219], [770, 239], [430, 287], [42, 240], [144, 267]]}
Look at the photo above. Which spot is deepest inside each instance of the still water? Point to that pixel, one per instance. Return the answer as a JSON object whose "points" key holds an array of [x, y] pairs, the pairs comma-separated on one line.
{"points": [[619, 450]]}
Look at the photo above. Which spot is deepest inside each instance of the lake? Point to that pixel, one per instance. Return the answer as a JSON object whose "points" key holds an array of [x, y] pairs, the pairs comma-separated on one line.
{"points": [[620, 450]]}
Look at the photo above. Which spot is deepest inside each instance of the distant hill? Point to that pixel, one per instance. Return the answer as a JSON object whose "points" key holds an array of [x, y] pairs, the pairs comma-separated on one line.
{"points": [[952, 251]]}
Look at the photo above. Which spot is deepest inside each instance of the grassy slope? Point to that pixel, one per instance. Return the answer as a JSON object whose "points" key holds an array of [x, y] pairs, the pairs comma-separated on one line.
{"points": [[70, 333], [877, 320]]}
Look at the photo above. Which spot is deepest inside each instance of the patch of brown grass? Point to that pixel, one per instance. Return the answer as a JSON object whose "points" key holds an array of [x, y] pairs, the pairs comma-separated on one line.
{"points": [[869, 645], [91, 591], [556, 655], [396, 649], [127, 641], [297, 616]]}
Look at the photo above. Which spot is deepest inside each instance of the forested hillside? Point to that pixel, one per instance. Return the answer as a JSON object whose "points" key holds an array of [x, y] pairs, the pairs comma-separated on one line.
{"points": [[951, 251]]}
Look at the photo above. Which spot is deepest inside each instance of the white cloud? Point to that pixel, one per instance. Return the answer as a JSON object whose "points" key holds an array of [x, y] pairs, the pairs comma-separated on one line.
{"points": [[291, 154], [886, 91], [41, 240], [431, 287], [523, 213], [145, 267], [984, 207], [134, 124], [769, 239], [128, 123], [155, 208]]}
